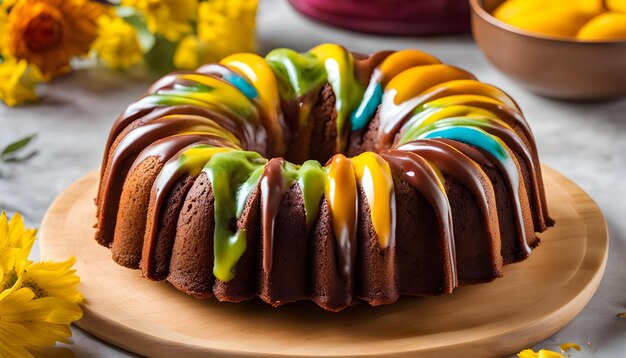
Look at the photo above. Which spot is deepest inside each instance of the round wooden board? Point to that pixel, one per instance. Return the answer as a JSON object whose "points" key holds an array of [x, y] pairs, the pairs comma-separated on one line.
{"points": [[533, 300]]}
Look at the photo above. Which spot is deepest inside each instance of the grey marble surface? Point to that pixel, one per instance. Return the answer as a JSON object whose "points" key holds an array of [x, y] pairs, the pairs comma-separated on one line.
{"points": [[584, 141]]}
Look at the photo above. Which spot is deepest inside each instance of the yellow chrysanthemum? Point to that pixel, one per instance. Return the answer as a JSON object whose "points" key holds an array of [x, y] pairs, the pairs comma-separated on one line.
{"points": [[190, 53], [18, 81], [170, 18], [48, 33], [227, 26], [117, 44]]}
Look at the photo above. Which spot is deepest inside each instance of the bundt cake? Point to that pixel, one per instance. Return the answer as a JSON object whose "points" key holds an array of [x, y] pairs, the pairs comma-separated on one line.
{"points": [[213, 180]]}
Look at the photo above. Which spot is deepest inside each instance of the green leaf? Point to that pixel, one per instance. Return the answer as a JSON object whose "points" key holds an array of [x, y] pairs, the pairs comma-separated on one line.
{"points": [[15, 147]]}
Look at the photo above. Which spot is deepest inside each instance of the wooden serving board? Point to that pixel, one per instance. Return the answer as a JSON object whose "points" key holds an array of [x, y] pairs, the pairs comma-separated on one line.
{"points": [[533, 300]]}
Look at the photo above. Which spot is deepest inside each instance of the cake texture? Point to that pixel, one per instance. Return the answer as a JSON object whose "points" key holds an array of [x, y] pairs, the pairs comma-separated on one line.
{"points": [[326, 176]]}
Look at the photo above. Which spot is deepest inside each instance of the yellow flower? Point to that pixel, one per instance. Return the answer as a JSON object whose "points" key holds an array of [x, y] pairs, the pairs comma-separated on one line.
{"points": [[15, 244], [117, 44], [170, 18], [227, 26], [38, 301], [52, 279], [17, 82], [30, 322], [48, 33], [190, 53]]}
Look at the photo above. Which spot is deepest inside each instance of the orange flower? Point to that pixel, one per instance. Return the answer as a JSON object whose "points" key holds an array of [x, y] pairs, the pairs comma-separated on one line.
{"points": [[48, 33]]}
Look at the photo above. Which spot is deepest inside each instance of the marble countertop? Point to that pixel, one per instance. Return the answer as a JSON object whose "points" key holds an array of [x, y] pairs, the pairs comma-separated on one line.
{"points": [[584, 141]]}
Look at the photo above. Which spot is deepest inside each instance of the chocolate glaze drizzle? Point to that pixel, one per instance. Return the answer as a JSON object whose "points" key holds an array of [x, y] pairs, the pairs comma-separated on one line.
{"points": [[208, 119], [416, 171]]}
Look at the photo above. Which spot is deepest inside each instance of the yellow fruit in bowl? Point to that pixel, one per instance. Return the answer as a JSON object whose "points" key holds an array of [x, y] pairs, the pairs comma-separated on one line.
{"points": [[564, 22], [616, 5], [511, 8], [549, 17], [589, 7], [607, 26]]}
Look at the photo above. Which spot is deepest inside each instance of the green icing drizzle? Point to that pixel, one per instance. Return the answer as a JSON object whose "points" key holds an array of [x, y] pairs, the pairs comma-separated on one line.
{"points": [[303, 75], [290, 173], [298, 74], [246, 188], [416, 132], [228, 171], [234, 175], [312, 179], [226, 102], [348, 90]]}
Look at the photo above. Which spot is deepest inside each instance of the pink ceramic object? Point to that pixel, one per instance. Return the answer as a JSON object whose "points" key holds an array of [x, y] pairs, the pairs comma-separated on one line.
{"points": [[391, 17]]}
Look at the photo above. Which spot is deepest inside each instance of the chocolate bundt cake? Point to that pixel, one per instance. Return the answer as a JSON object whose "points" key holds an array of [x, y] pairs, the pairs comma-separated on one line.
{"points": [[213, 180]]}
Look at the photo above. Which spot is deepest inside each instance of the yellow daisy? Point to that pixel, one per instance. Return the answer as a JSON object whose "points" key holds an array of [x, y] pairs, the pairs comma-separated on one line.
{"points": [[52, 279], [117, 44], [228, 26], [48, 33], [38, 301], [30, 322], [170, 18], [14, 234]]}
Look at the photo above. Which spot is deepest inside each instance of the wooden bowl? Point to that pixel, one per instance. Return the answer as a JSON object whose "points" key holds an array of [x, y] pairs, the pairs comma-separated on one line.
{"points": [[551, 66]]}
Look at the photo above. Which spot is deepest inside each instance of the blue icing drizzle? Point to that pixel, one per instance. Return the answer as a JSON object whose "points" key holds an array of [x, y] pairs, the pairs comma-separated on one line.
{"points": [[471, 136], [246, 88], [371, 99]]}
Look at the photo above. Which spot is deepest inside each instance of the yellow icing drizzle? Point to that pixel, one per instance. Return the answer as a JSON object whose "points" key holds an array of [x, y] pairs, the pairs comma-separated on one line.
{"points": [[472, 100], [403, 60], [340, 191], [414, 81], [209, 127], [374, 176], [193, 159], [471, 87], [441, 180], [339, 66], [455, 111], [221, 94], [260, 74]]}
